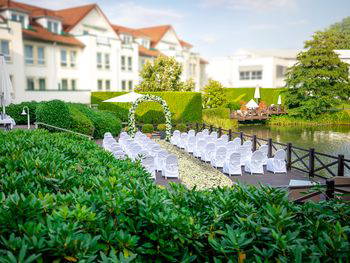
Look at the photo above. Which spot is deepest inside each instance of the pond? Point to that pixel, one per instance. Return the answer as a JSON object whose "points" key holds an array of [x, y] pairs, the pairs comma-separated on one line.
{"points": [[332, 140]]}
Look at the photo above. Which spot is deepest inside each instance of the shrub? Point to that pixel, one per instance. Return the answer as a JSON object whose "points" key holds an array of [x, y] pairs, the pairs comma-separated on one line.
{"points": [[213, 95], [161, 127], [80, 122], [64, 198], [15, 110], [184, 106], [233, 106], [55, 113], [147, 128], [181, 127], [219, 117]]}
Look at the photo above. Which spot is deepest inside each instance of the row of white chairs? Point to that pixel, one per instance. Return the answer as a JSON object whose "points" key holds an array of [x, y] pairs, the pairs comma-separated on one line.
{"points": [[229, 155], [153, 158]]}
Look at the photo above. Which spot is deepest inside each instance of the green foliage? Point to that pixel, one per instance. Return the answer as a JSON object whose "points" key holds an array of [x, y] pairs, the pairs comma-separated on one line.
{"points": [[147, 128], [219, 117], [64, 198], [80, 122], [55, 112], [332, 39], [181, 127], [184, 106], [15, 110], [188, 85], [233, 106], [270, 96], [318, 82], [163, 74], [213, 95], [161, 127]]}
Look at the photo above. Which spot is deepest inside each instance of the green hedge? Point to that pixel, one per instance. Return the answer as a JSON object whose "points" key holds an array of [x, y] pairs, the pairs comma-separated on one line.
{"points": [[64, 198], [219, 117], [185, 106], [80, 122], [270, 96], [55, 112], [15, 110]]}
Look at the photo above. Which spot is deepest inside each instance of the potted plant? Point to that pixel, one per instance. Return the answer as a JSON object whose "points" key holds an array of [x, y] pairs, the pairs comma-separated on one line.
{"points": [[161, 129], [148, 129]]}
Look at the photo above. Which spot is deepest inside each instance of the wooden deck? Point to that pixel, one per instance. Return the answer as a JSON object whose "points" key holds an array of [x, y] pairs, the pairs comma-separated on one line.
{"points": [[258, 116]]}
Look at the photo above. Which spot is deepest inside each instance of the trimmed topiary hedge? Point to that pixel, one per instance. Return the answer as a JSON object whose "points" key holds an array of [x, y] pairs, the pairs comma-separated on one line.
{"points": [[55, 112], [63, 198], [219, 117], [15, 110], [80, 122], [184, 106]]}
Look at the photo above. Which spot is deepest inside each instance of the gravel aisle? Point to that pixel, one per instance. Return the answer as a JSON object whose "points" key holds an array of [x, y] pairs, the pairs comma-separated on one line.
{"points": [[194, 172]]}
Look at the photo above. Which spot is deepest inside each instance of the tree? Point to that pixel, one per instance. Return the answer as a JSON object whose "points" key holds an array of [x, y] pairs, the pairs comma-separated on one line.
{"points": [[332, 39], [188, 85], [163, 74], [213, 95], [342, 26], [318, 81]]}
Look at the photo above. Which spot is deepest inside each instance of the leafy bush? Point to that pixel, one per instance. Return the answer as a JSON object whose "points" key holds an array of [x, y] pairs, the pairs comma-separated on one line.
{"points": [[55, 113], [233, 106], [213, 95], [80, 122], [184, 106], [147, 128], [161, 127], [64, 198], [181, 127], [15, 110]]}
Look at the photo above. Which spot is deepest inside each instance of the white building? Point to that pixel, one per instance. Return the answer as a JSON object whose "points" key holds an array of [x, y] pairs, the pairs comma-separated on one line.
{"points": [[251, 68], [66, 54]]}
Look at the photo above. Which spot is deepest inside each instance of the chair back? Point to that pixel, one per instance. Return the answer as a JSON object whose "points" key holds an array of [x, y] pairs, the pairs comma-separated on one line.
{"points": [[248, 143], [237, 141], [235, 159], [280, 155], [205, 132], [191, 133], [257, 157], [214, 135], [220, 153], [201, 144], [264, 149], [176, 133], [224, 137], [120, 155], [171, 162]]}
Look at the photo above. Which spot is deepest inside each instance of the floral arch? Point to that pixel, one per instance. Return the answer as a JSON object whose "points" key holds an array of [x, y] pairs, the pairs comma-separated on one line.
{"points": [[132, 127]]}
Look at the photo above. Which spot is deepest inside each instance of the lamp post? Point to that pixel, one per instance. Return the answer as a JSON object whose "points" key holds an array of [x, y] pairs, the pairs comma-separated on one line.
{"points": [[28, 115]]}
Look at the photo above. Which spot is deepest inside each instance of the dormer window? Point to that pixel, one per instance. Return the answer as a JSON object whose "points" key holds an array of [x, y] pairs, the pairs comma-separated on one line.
{"points": [[127, 39], [19, 17], [145, 43], [53, 26]]}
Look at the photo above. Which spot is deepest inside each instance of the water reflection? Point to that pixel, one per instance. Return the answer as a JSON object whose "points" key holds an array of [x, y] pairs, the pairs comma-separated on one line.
{"points": [[328, 139]]}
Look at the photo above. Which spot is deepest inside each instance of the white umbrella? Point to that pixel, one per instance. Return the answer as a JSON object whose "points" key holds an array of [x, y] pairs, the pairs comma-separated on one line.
{"points": [[5, 85], [257, 92], [252, 104], [279, 101], [129, 97]]}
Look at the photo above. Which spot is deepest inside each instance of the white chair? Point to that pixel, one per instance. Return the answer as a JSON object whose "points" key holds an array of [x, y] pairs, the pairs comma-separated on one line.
{"points": [[220, 143], [107, 134], [148, 164], [183, 140], [245, 153], [219, 157], [161, 156], [248, 143], [171, 167], [142, 154], [237, 141], [191, 144], [214, 134], [200, 145], [255, 165], [120, 155], [124, 135], [205, 132], [232, 166], [175, 137], [264, 149], [209, 152], [224, 137], [134, 151], [191, 133], [277, 164]]}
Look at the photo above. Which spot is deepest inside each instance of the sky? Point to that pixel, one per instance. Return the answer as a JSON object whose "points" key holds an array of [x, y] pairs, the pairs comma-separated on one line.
{"points": [[220, 27]]}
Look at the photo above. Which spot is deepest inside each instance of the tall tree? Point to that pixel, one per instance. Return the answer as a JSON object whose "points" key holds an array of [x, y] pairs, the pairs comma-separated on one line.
{"points": [[213, 95], [330, 38], [318, 81]]}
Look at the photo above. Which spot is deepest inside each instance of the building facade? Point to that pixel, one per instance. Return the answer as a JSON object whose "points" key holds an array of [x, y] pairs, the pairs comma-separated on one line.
{"points": [[251, 68], [66, 54]]}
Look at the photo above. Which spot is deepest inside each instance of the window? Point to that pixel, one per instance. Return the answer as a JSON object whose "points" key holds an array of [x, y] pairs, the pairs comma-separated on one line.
{"points": [[244, 75], [127, 39], [41, 56], [107, 64], [19, 18], [256, 74], [145, 43], [123, 63], [171, 47], [280, 71], [52, 26], [99, 60], [123, 85], [5, 49], [63, 57], [99, 85], [28, 53], [64, 84], [108, 85], [73, 84], [130, 85], [30, 84], [42, 84], [130, 63], [85, 32], [73, 58]]}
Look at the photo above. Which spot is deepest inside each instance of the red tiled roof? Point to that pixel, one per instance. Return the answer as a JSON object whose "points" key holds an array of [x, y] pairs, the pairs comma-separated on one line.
{"points": [[72, 16], [185, 44], [40, 33], [156, 33], [148, 52], [127, 30]]}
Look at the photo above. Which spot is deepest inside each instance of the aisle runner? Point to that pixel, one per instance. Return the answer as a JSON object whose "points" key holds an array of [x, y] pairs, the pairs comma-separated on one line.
{"points": [[193, 172]]}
